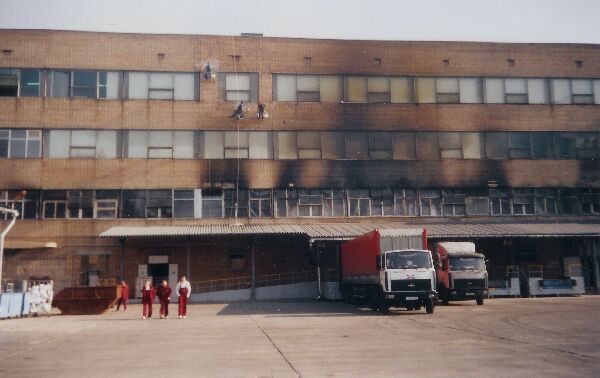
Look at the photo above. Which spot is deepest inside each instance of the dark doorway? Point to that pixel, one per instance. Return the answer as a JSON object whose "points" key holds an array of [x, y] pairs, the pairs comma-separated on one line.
{"points": [[158, 272]]}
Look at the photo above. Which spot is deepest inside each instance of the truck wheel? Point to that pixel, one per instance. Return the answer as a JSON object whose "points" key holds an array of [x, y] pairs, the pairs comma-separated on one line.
{"points": [[385, 309], [479, 301], [444, 297], [417, 308], [429, 306]]}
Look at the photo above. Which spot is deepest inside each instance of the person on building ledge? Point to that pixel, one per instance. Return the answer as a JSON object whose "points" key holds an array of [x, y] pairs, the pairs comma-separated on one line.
{"points": [[184, 289], [261, 111], [239, 111], [124, 296], [207, 72], [147, 300], [164, 297]]}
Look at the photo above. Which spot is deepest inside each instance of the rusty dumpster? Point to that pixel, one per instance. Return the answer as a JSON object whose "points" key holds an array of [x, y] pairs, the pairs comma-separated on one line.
{"points": [[86, 300]]}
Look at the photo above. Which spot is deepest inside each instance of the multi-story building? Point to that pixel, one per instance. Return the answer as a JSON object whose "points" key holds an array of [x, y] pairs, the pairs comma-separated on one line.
{"points": [[134, 166]]}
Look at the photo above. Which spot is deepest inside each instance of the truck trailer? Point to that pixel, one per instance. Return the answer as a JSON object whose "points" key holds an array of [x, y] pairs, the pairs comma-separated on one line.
{"points": [[389, 268], [461, 272]]}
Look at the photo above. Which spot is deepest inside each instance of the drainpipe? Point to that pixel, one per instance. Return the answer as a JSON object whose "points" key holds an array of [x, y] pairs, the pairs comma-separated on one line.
{"points": [[15, 215]]}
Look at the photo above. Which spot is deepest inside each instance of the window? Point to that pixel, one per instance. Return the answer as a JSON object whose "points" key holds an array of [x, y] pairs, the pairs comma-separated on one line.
{"points": [[447, 91], [404, 146], [356, 89], [20, 144], [100, 144], [425, 90], [450, 145], [83, 83], [54, 204], [238, 87], [569, 201], [236, 203], [359, 203], [83, 144], [378, 89], [500, 199], [382, 202], [310, 202], [333, 203], [333, 145], [80, 204], [160, 144], [213, 145], [431, 202], [9, 82], [401, 90], [590, 201], [162, 86], [406, 202], [523, 201], [541, 145], [260, 145], [302, 88], [357, 145], [286, 145], [106, 204], [309, 145], [494, 91], [427, 146], [546, 202], [212, 203], [470, 90], [537, 91], [477, 202], [496, 145], [519, 145], [134, 204], [381, 145], [453, 202], [183, 204], [27, 206], [583, 92], [515, 91], [577, 145], [287, 203], [159, 203], [260, 203], [236, 145], [29, 85]]}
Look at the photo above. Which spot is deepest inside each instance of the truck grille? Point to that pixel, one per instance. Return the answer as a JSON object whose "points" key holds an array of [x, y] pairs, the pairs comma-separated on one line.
{"points": [[411, 285], [471, 283]]}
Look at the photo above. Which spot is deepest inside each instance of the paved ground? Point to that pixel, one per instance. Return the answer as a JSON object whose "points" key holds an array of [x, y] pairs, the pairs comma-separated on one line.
{"points": [[505, 337]]}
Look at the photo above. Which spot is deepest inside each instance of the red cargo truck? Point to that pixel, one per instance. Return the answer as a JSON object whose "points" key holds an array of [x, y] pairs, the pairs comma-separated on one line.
{"points": [[389, 268]]}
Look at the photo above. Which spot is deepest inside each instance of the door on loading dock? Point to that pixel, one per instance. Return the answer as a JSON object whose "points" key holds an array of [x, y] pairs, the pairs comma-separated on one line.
{"points": [[158, 272]]}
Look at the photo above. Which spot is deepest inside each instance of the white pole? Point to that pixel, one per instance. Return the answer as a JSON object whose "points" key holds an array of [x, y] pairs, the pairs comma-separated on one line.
{"points": [[15, 215]]}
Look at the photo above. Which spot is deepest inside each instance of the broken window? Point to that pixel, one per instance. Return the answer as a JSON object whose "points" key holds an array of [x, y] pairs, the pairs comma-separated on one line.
{"points": [[9, 82], [569, 201], [80, 203], [20, 144], [26, 206], [523, 201], [500, 199], [260, 203], [236, 203], [238, 87], [54, 204], [212, 203], [183, 204], [431, 202], [381, 145], [546, 202], [496, 145], [359, 203], [162, 86], [382, 202], [333, 203], [590, 201], [159, 203], [236, 145], [287, 203], [406, 202], [453, 202], [310, 202], [106, 204], [309, 145], [477, 202], [133, 204]]}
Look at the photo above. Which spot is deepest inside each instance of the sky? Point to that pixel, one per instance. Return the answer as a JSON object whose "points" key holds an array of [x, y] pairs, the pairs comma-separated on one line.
{"points": [[536, 21]]}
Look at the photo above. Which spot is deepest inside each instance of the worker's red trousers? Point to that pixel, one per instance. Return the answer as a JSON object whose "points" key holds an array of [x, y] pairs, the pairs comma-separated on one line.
{"points": [[183, 301], [122, 301], [164, 308], [147, 310]]}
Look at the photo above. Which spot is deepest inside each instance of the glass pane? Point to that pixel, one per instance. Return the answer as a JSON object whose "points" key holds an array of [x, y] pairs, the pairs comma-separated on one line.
{"points": [[30, 83], [59, 143], [378, 84], [400, 88], [183, 209], [159, 94], [561, 91], [183, 145], [356, 89], [470, 91], [260, 145], [596, 91], [83, 138], [160, 139], [161, 80], [494, 91], [404, 146], [160, 153], [472, 146], [450, 140], [447, 85], [286, 145], [84, 78], [331, 88], [60, 84], [109, 85], [427, 146], [138, 85], [237, 96], [83, 152], [537, 91], [236, 139], [332, 145], [496, 145], [237, 82], [381, 145], [106, 145], [541, 145], [286, 87], [582, 86], [357, 145], [138, 144], [214, 145], [33, 149], [515, 86], [426, 90], [17, 148], [184, 86], [307, 83]]}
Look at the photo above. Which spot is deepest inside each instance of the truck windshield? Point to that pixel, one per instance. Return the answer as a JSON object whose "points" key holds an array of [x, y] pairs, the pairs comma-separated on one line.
{"points": [[467, 263], [408, 260]]}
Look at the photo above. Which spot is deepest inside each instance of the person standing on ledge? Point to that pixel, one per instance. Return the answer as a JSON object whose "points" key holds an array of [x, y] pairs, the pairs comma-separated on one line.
{"points": [[184, 289], [164, 297], [124, 296]]}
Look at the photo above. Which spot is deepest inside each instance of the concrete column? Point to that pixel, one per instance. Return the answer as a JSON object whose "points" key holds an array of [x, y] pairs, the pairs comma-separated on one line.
{"points": [[188, 260], [595, 257], [122, 258], [253, 264]]}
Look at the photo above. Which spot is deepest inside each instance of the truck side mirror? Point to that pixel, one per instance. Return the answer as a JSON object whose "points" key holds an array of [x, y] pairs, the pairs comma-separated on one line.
{"points": [[378, 262]]}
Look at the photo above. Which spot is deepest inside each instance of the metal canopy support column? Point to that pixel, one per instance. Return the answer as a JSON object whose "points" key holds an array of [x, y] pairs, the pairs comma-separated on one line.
{"points": [[253, 264], [122, 258], [595, 267], [188, 267]]}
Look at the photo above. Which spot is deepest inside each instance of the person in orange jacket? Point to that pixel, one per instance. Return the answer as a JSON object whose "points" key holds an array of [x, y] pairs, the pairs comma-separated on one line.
{"points": [[124, 296], [147, 300], [164, 296]]}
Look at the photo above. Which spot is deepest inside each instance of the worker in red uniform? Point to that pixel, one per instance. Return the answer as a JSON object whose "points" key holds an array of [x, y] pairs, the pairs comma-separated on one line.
{"points": [[124, 296], [184, 289], [147, 300], [164, 296]]}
